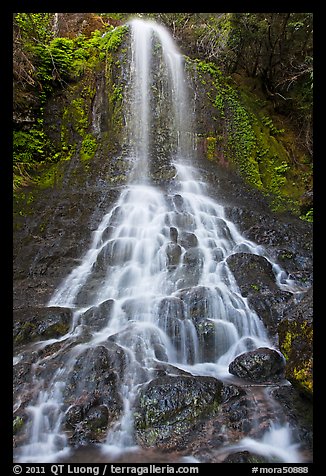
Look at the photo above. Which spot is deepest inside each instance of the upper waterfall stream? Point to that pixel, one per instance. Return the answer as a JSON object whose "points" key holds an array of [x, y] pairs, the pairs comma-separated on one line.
{"points": [[154, 290]]}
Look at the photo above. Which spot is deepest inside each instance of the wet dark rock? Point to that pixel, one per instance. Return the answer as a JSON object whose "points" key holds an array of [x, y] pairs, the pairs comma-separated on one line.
{"points": [[298, 407], [188, 240], [270, 308], [173, 252], [174, 234], [193, 258], [249, 270], [87, 425], [164, 174], [88, 291], [93, 392], [132, 307], [179, 203], [244, 457], [164, 369], [256, 280], [97, 369], [98, 316], [217, 254], [172, 320], [170, 309], [169, 407], [260, 365], [140, 341], [183, 220], [22, 383], [195, 301], [115, 252], [31, 324], [193, 304], [289, 241]]}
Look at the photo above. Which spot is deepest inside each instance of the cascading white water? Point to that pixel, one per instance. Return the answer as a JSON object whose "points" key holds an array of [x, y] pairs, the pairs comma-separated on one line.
{"points": [[151, 255]]}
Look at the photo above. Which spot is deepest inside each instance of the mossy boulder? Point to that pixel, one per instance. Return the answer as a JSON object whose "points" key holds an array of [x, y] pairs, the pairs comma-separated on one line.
{"points": [[31, 324], [296, 343], [170, 407]]}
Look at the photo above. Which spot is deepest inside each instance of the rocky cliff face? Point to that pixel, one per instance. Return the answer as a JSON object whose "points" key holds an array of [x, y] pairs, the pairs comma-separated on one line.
{"points": [[53, 224]]}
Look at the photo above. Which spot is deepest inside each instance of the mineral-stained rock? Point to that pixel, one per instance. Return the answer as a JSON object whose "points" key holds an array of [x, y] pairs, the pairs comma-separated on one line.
{"points": [[169, 407]]}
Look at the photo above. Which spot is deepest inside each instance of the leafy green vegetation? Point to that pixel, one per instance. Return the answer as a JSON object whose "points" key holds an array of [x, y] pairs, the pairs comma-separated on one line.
{"points": [[253, 139], [249, 143], [88, 148]]}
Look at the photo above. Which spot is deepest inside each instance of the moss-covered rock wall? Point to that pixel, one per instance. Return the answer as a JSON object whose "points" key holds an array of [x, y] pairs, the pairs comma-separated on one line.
{"points": [[237, 128]]}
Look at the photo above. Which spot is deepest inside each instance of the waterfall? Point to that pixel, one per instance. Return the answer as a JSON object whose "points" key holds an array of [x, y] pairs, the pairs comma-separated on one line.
{"points": [[152, 256]]}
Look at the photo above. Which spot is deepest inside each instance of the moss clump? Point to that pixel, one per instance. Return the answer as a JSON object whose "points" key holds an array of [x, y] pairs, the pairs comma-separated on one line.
{"points": [[88, 147], [211, 147], [24, 332], [18, 424], [113, 39]]}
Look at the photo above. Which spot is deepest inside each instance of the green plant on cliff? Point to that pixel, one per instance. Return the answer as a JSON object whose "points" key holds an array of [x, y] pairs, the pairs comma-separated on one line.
{"points": [[241, 139], [59, 63]]}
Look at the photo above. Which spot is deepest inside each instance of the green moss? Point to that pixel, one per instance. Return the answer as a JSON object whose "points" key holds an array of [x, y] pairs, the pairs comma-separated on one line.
{"points": [[286, 345], [113, 39], [49, 176], [211, 148], [23, 334], [267, 121], [255, 287], [58, 329], [18, 424], [77, 109], [308, 216], [68, 65], [88, 147], [303, 376]]}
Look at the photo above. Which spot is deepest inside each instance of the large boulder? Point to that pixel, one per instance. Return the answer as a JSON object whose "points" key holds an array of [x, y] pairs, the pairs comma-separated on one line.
{"points": [[259, 365], [93, 393], [170, 407]]}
